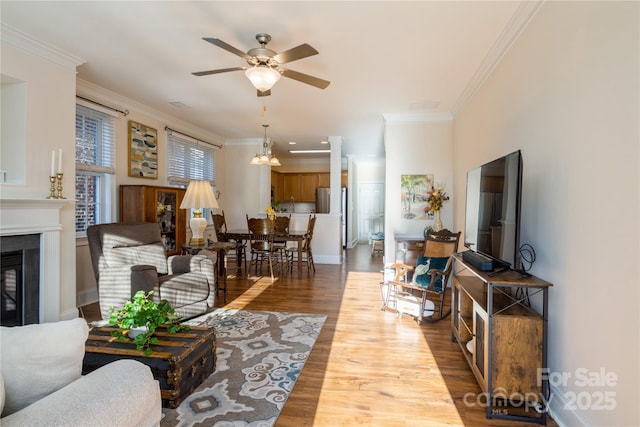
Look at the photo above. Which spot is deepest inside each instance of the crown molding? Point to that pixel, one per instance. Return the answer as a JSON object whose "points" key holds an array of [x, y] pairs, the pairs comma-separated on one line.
{"points": [[39, 48], [98, 93], [518, 22], [406, 118]]}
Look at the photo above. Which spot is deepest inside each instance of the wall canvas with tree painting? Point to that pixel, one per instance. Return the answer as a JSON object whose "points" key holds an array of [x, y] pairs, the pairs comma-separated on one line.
{"points": [[413, 193]]}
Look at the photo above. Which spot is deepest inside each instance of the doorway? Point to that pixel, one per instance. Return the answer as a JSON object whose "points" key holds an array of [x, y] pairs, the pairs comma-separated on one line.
{"points": [[370, 209]]}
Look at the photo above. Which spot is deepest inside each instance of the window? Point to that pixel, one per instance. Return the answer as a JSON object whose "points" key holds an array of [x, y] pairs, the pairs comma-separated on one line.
{"points": [[95, 167], [190, 159]]}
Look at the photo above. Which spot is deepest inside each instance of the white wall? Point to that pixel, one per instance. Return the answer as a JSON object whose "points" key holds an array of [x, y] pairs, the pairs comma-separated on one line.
{"points": [[567, 95], [416, 148], [50, 112]]}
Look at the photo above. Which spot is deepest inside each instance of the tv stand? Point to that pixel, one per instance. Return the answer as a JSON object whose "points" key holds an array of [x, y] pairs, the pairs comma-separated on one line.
{"points": [[503, 339]]}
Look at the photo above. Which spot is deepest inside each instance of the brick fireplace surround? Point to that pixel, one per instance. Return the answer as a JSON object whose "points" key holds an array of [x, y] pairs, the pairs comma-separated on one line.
{"points": [[39, 216]]}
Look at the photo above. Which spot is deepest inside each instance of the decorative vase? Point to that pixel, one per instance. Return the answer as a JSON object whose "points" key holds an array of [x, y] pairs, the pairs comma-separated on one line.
{"points": [[437, 224]]}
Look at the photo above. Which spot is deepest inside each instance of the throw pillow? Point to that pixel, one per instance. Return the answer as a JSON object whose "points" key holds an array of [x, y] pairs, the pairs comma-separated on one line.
{"points": [[421, 276], [40, 359]]}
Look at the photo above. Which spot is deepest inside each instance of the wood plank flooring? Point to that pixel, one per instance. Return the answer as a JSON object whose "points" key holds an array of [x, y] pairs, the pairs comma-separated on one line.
{"points": [[368, 367]]}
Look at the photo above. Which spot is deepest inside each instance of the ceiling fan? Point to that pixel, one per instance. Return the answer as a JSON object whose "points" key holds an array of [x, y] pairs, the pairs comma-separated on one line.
{"points": [[263, 71]]}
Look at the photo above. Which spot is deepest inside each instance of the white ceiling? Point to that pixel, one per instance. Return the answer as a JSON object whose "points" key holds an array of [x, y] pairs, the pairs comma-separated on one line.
{"points": [[382, 58]]}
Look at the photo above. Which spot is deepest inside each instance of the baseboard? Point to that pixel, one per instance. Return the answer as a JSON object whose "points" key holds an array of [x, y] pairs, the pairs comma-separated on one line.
{"points": [[327, 259], [70, 314], [87, 297], [565, 417]]}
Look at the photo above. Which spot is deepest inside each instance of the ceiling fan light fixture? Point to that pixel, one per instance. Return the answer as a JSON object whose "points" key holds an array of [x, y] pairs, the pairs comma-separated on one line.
{"points": [[262, 77]]}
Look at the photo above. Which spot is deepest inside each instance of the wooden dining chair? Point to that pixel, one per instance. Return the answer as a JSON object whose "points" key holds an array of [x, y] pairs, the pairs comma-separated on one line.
{"points": [[261, 242], [307, 254], [239, 249]]}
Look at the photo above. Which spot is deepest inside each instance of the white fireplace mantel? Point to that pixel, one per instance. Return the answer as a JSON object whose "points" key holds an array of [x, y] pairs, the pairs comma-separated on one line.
{"points": [[39, 216]]}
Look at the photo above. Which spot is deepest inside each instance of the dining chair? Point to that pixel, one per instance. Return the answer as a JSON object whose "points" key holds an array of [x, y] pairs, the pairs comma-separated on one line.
{"points": [[307, 254], [239, 248], [261, 242]]}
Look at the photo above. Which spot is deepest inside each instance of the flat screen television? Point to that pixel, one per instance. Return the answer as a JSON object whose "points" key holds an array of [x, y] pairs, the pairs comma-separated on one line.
{"points": [[492, 219]]}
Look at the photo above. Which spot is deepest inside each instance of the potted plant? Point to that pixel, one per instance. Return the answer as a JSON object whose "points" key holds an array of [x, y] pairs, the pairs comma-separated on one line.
{"points": [[142, 313]]}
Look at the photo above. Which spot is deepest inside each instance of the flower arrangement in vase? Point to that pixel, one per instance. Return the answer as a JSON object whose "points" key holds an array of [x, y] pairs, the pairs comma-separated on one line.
{"points": [[435, 198], [271, 213]]}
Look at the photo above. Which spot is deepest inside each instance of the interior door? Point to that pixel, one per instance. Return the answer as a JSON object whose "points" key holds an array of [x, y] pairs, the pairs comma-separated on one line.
{"points": [[370, 209]]}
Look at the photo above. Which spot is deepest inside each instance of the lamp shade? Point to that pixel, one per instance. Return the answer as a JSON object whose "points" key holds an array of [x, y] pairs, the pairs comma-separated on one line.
{"points": [[262, 77], [199, 195]]}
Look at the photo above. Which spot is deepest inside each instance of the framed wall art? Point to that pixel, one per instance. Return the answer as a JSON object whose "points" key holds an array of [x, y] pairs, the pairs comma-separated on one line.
{"points": [[143, 151], [413, 196]]}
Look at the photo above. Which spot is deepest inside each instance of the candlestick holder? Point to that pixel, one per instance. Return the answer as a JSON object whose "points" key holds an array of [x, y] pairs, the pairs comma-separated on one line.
{"points": [[59, 176], [52, 190]]}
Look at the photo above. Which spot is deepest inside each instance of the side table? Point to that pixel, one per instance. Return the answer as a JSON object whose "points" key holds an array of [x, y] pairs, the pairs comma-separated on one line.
{"points": [[221, 249]]}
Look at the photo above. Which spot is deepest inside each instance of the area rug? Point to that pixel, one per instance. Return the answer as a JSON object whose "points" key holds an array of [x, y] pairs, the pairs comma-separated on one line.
{"points": [[259, 357]]}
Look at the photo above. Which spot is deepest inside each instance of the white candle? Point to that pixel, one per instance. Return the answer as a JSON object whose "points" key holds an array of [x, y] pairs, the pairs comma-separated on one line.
{"points": [[53, 162], [59, 160]]}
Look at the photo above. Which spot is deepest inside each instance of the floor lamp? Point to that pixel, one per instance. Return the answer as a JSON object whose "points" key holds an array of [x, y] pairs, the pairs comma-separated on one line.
{"points": [[199, 195]]}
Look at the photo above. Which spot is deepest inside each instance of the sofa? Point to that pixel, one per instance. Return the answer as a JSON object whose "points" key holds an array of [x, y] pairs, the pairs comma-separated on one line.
{"points": [[129, 257], [41, 382]]}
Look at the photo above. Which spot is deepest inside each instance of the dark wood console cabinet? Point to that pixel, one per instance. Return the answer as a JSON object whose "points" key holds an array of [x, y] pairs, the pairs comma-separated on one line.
{"points": [[503, 339], [147, 203]]}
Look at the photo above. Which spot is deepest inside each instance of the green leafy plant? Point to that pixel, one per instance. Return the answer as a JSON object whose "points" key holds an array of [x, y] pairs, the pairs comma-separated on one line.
{"points": [[141, 311]]}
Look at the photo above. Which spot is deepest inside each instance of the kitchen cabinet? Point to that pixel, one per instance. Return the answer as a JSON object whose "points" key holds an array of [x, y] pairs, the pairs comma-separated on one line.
{"points": [[300, 186], [324, 180], [276, 186], [146, 203], [308, 185]]}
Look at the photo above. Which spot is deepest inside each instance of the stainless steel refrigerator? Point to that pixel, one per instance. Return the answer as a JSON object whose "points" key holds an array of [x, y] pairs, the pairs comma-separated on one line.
{"points": [[323, 201]]}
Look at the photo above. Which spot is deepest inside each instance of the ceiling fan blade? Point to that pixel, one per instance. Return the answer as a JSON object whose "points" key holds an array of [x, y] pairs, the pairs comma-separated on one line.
{"points": [[265, 93], [293, 54], [227, 47], [305, 78], [222, 70]]}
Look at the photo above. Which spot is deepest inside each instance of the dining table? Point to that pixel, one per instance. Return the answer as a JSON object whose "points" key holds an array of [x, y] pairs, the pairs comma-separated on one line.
{"points": [[243, 234]]}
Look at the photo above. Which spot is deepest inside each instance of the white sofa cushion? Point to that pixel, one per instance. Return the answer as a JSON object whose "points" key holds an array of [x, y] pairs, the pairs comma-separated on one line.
{"points": [[1, 392], [37, 360]]}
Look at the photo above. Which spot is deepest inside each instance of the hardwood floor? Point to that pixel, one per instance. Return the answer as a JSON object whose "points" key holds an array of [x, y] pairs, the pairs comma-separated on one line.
{"points": [[368, 366]]}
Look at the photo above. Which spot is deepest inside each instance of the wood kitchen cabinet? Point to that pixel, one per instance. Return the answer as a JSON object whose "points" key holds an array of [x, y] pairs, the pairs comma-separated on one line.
{"points": [[146, 203], [300, 186], [276, 186], [324, 180], [290, 187], [308, 185]]}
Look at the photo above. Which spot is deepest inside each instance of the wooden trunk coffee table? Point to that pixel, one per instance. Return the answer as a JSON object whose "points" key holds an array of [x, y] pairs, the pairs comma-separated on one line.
{"points": [[180, 361]]}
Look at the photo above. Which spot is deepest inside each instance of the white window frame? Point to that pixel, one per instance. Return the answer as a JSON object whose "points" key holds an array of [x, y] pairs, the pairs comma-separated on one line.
{"points": [[105, 171]]}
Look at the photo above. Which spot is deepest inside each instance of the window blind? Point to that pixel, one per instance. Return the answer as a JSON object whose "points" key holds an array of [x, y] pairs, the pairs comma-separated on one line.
{"points": [[188, 159], [95, 141]]}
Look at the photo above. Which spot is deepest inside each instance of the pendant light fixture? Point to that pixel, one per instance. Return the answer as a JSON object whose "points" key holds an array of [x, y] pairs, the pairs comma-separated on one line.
{"points": [[266, 158]]}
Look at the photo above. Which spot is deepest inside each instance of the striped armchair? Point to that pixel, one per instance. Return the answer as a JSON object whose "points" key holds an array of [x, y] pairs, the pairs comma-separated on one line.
{"points": [[129, 257]]}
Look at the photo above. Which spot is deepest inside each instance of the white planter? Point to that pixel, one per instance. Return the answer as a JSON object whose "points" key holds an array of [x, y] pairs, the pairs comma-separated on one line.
{"points": [[134, 332]]}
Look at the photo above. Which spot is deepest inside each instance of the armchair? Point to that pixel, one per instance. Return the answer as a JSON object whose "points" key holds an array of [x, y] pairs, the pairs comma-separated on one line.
{"points": [[128, 257], [412, 285]]}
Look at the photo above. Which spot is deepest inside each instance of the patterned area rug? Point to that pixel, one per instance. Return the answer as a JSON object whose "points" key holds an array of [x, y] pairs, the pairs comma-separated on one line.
{"points": [[259, 357]]}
